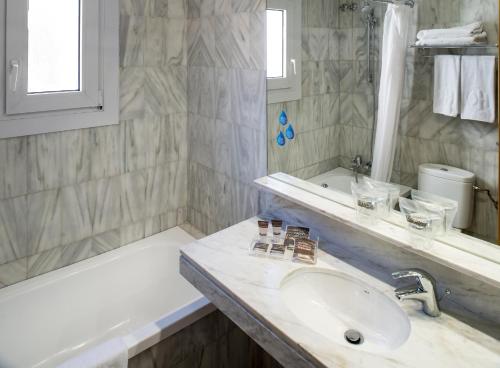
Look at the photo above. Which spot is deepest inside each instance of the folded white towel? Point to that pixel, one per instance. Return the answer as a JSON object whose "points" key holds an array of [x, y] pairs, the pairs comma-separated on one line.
{"points": [[447, 85], [478, 88], [110, 354], [458, 41], [455, 32]]}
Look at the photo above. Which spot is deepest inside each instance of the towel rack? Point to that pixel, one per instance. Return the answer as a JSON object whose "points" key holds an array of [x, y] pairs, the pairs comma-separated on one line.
{"points": [[479, 46], [456, 47]]}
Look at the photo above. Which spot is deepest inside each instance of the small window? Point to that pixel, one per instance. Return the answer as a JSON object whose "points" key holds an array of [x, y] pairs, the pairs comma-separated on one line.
{"points": [[276, 47], [61, 65], [284, 65], [54, 47]]}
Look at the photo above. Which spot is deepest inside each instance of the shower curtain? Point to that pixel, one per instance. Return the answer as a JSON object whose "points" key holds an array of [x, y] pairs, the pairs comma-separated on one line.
{"points": [[394, 45]]}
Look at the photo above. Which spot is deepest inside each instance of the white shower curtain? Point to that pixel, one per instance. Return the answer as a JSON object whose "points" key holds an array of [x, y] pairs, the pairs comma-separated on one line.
{"points": [[394, 45]]}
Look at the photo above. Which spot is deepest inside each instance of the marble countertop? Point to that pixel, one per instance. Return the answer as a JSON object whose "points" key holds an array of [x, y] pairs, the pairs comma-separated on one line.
{"points": [[254, 283]]}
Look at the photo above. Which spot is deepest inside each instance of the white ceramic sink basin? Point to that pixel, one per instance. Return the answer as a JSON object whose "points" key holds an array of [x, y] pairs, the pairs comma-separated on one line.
{"points": [[331, 303]]}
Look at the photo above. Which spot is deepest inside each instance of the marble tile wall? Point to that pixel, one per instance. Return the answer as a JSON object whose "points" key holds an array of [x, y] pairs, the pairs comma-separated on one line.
{"points": [[226, 110], [212, 342], [333, 119], [428, 137], [68, 196], [315, 116], [336, 95]]}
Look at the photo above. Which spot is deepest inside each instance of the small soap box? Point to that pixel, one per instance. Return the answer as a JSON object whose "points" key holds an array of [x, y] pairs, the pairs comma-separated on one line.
{"points": [[295, 245], [305, 251], [269, 246]]}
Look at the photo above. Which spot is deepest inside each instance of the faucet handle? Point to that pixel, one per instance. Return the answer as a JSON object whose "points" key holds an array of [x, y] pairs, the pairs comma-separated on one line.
{"points": [[423, 278], [357, 161]]}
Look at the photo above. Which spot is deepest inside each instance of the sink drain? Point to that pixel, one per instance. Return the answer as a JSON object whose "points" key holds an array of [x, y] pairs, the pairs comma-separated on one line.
{"points": [[353, 337], [324, 185]]}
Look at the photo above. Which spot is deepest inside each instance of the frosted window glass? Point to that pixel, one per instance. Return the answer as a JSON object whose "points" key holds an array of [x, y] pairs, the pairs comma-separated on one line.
{"points": [[275, 43], [53, 45]]}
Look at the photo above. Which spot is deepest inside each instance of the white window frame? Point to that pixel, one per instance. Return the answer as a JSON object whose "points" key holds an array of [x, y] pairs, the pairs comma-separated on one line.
{"points": [[288, 88], [97, 101]]}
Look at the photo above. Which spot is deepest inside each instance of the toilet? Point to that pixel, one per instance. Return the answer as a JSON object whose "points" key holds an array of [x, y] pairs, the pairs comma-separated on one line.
{"points": [[453, 183]]}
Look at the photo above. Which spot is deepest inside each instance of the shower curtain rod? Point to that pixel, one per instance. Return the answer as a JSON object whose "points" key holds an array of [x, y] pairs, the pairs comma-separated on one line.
{"points": [[410, 3]]}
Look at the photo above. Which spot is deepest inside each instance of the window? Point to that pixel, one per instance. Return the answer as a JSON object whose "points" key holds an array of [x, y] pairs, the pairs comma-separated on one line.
{"points": [[284, 29], [61, 65], [276, 48], [54, 47]]}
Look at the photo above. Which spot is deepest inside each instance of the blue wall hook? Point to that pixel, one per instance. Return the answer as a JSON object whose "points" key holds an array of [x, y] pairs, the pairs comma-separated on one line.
{"points": [[283, 118], [280, 139], [290, 133]]}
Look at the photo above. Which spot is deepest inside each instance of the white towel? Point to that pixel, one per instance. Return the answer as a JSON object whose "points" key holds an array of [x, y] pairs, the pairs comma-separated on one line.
{"points": [[110, 354], [457, 41], [447, 85], [478, 88], [455, 32]]}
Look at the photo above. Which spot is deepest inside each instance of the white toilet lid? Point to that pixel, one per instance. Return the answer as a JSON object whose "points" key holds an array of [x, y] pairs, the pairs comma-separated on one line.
{"points": [[447, 172]]}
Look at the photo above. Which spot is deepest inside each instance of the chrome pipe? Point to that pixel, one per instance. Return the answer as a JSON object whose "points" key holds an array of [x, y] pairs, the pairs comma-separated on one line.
{"points": [[369, 51], [410, 3], [368, 17]]}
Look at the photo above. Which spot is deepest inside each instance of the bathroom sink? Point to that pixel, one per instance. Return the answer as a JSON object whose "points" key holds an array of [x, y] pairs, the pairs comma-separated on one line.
{"points": [[345, 310]]}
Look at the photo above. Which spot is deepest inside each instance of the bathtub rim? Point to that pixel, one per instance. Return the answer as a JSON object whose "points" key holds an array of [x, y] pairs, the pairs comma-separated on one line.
{"points": [[143, 337], [153, 333], [47, 278]]}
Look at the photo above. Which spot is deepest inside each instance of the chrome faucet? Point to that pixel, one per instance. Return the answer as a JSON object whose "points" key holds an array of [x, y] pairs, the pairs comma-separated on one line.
{"points": [[424, 290], [356, 165]]}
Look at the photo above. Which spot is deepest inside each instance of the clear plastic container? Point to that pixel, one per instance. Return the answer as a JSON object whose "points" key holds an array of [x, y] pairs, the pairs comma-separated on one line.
{"points": [[271, 247], [423, 218], [295, 232], [305, 251], [371, 202], [450, 206], [260, 246], [278, 249], [393, 190]]}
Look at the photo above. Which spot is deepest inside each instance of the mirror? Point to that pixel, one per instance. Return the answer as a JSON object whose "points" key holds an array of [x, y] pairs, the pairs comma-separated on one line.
{"points": [[346, 99]]}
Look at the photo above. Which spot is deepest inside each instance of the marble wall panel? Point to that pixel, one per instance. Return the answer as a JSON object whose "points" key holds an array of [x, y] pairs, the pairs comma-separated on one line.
{"points": [[68, 196], [13, 229], [315, 44], [326, 39], [165, 90], [14, 153], [132, 35], [201, 41], [132, 7], [248, 6], [106, 142], [227, 110], [132, 103], [13, 272], [165, 41]]}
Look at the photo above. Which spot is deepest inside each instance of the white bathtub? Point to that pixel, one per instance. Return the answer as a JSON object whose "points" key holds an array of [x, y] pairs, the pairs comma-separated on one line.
{"points": [[134, 292], [340, 179]]}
